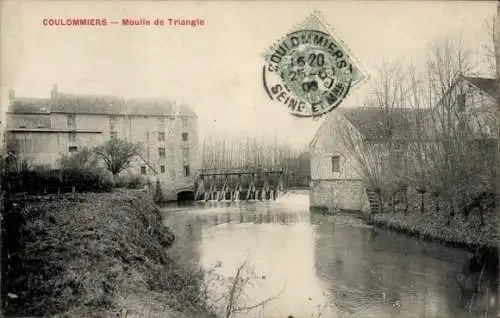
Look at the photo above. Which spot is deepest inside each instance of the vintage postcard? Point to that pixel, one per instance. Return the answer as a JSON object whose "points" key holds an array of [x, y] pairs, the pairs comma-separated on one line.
{"points": [[284, 159]]}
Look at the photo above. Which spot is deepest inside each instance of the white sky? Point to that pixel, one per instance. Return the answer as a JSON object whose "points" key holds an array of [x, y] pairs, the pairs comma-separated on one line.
{"points": [[216, 68]]}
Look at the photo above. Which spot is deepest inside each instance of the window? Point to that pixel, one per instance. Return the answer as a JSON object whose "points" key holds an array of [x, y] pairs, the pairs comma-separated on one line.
{"points": [[72, 137], [112, 123], [161, 123], [71, 121], [184, 136], [73, 149], [161, 136], [161, 152], [336, 164], [184, 121], [461, 102], [40, 126], [162, 168], [186, 171], [143, 169], [22, 126], [185, 153], [113, 134]]}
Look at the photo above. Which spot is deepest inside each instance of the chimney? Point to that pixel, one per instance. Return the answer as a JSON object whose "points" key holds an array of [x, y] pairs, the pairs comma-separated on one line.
{"points": [[12, 94], [53, 92]]}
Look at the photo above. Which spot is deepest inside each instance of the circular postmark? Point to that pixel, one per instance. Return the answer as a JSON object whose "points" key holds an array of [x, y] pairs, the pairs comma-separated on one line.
{"points": [[308, 72]]}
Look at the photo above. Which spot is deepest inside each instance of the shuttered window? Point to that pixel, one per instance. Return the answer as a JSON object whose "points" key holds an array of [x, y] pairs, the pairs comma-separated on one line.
{"points": [[336, 164]]}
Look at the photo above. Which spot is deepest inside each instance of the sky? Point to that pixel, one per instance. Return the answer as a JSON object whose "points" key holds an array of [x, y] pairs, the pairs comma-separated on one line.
{"points": [[216, 68]]}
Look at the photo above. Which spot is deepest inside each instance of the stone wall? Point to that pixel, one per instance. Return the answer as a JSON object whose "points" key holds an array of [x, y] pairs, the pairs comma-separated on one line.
{"points": [[341, 194]]}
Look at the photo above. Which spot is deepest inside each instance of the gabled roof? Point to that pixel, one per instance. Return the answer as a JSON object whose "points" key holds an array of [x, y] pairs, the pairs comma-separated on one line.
{"points": [[487, 85], [322, 126], [372, 122], [379, 123], [98, 105]]}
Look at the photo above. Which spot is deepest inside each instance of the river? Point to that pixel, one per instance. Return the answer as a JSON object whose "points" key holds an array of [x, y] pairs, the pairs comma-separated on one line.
{"points": [[314, 265]]}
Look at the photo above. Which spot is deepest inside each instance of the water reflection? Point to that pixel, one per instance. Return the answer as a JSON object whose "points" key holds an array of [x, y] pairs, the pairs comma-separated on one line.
{"points": [[373, 272], [338, 263]]}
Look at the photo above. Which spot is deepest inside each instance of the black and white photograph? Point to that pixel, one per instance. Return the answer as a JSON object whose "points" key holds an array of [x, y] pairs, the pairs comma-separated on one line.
{"points": [[260, 159]]}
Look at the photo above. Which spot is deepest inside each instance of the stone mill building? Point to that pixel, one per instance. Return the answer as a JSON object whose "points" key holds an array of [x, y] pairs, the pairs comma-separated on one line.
{"points": [[46, 128]]}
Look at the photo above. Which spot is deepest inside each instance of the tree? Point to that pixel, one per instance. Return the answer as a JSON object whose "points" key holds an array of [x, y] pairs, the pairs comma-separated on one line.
{"points": [[85, 159], [496, 40], [13, 161], [117, 153], [496, 44]]}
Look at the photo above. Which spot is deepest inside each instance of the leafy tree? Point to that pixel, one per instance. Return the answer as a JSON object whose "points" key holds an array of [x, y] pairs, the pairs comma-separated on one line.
{"points": [[116, 154]]}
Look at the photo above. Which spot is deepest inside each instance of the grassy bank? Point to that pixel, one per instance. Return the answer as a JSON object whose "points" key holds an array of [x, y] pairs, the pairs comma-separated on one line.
{"points": [[95, 255], [436, 225]]}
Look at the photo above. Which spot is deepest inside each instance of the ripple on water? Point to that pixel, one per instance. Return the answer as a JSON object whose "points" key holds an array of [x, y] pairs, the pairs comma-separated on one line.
{"points": [[336, 262]]}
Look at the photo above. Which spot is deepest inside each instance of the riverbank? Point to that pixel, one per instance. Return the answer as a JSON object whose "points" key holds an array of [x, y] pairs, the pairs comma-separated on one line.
{"points": [[467, 234], [98, 254], [459, 231]]}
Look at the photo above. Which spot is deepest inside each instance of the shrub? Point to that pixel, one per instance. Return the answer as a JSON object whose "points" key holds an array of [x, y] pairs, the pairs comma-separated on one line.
{"points": [[41, 180], [130, 181], [82, 171], [86, 180], [85, 160]]}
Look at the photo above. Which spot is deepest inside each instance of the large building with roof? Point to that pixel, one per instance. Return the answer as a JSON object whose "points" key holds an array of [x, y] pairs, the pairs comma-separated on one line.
{"points": [[337, 175], [46, 128]]}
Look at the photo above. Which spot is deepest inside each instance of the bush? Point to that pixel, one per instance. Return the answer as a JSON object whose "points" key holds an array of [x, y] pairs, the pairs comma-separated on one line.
{"points": [[85, 160], [87, 181], [40, 181], [130, 181]]}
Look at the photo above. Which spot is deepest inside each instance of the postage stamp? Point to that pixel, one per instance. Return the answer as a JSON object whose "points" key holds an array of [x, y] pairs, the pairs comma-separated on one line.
{"points": [[310, 70]]}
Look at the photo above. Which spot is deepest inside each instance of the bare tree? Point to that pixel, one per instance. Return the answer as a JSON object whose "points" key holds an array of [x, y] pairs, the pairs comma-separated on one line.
{"points": [[117, 153], [496, 41], [370, 160], [423, 115], [451, 161], [380, 159], [224, 151], [496, 45]]}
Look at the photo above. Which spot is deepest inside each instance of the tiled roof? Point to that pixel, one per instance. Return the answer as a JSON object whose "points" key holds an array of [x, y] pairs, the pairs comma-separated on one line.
{"points": [[488, 85], [373, 122], [88, 104], [97, 104], [155, 107], [30, 106]]}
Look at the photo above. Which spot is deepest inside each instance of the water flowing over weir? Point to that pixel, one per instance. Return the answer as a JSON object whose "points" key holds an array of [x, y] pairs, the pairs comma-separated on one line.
{"points": [[238, 185]]}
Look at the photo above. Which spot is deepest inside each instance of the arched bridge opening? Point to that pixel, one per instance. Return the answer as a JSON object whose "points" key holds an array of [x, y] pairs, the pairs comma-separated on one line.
{"points": [[185, 196]]}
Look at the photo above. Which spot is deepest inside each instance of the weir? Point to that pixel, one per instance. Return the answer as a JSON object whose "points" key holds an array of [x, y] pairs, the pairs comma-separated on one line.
{"points": [[239, 184]]}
